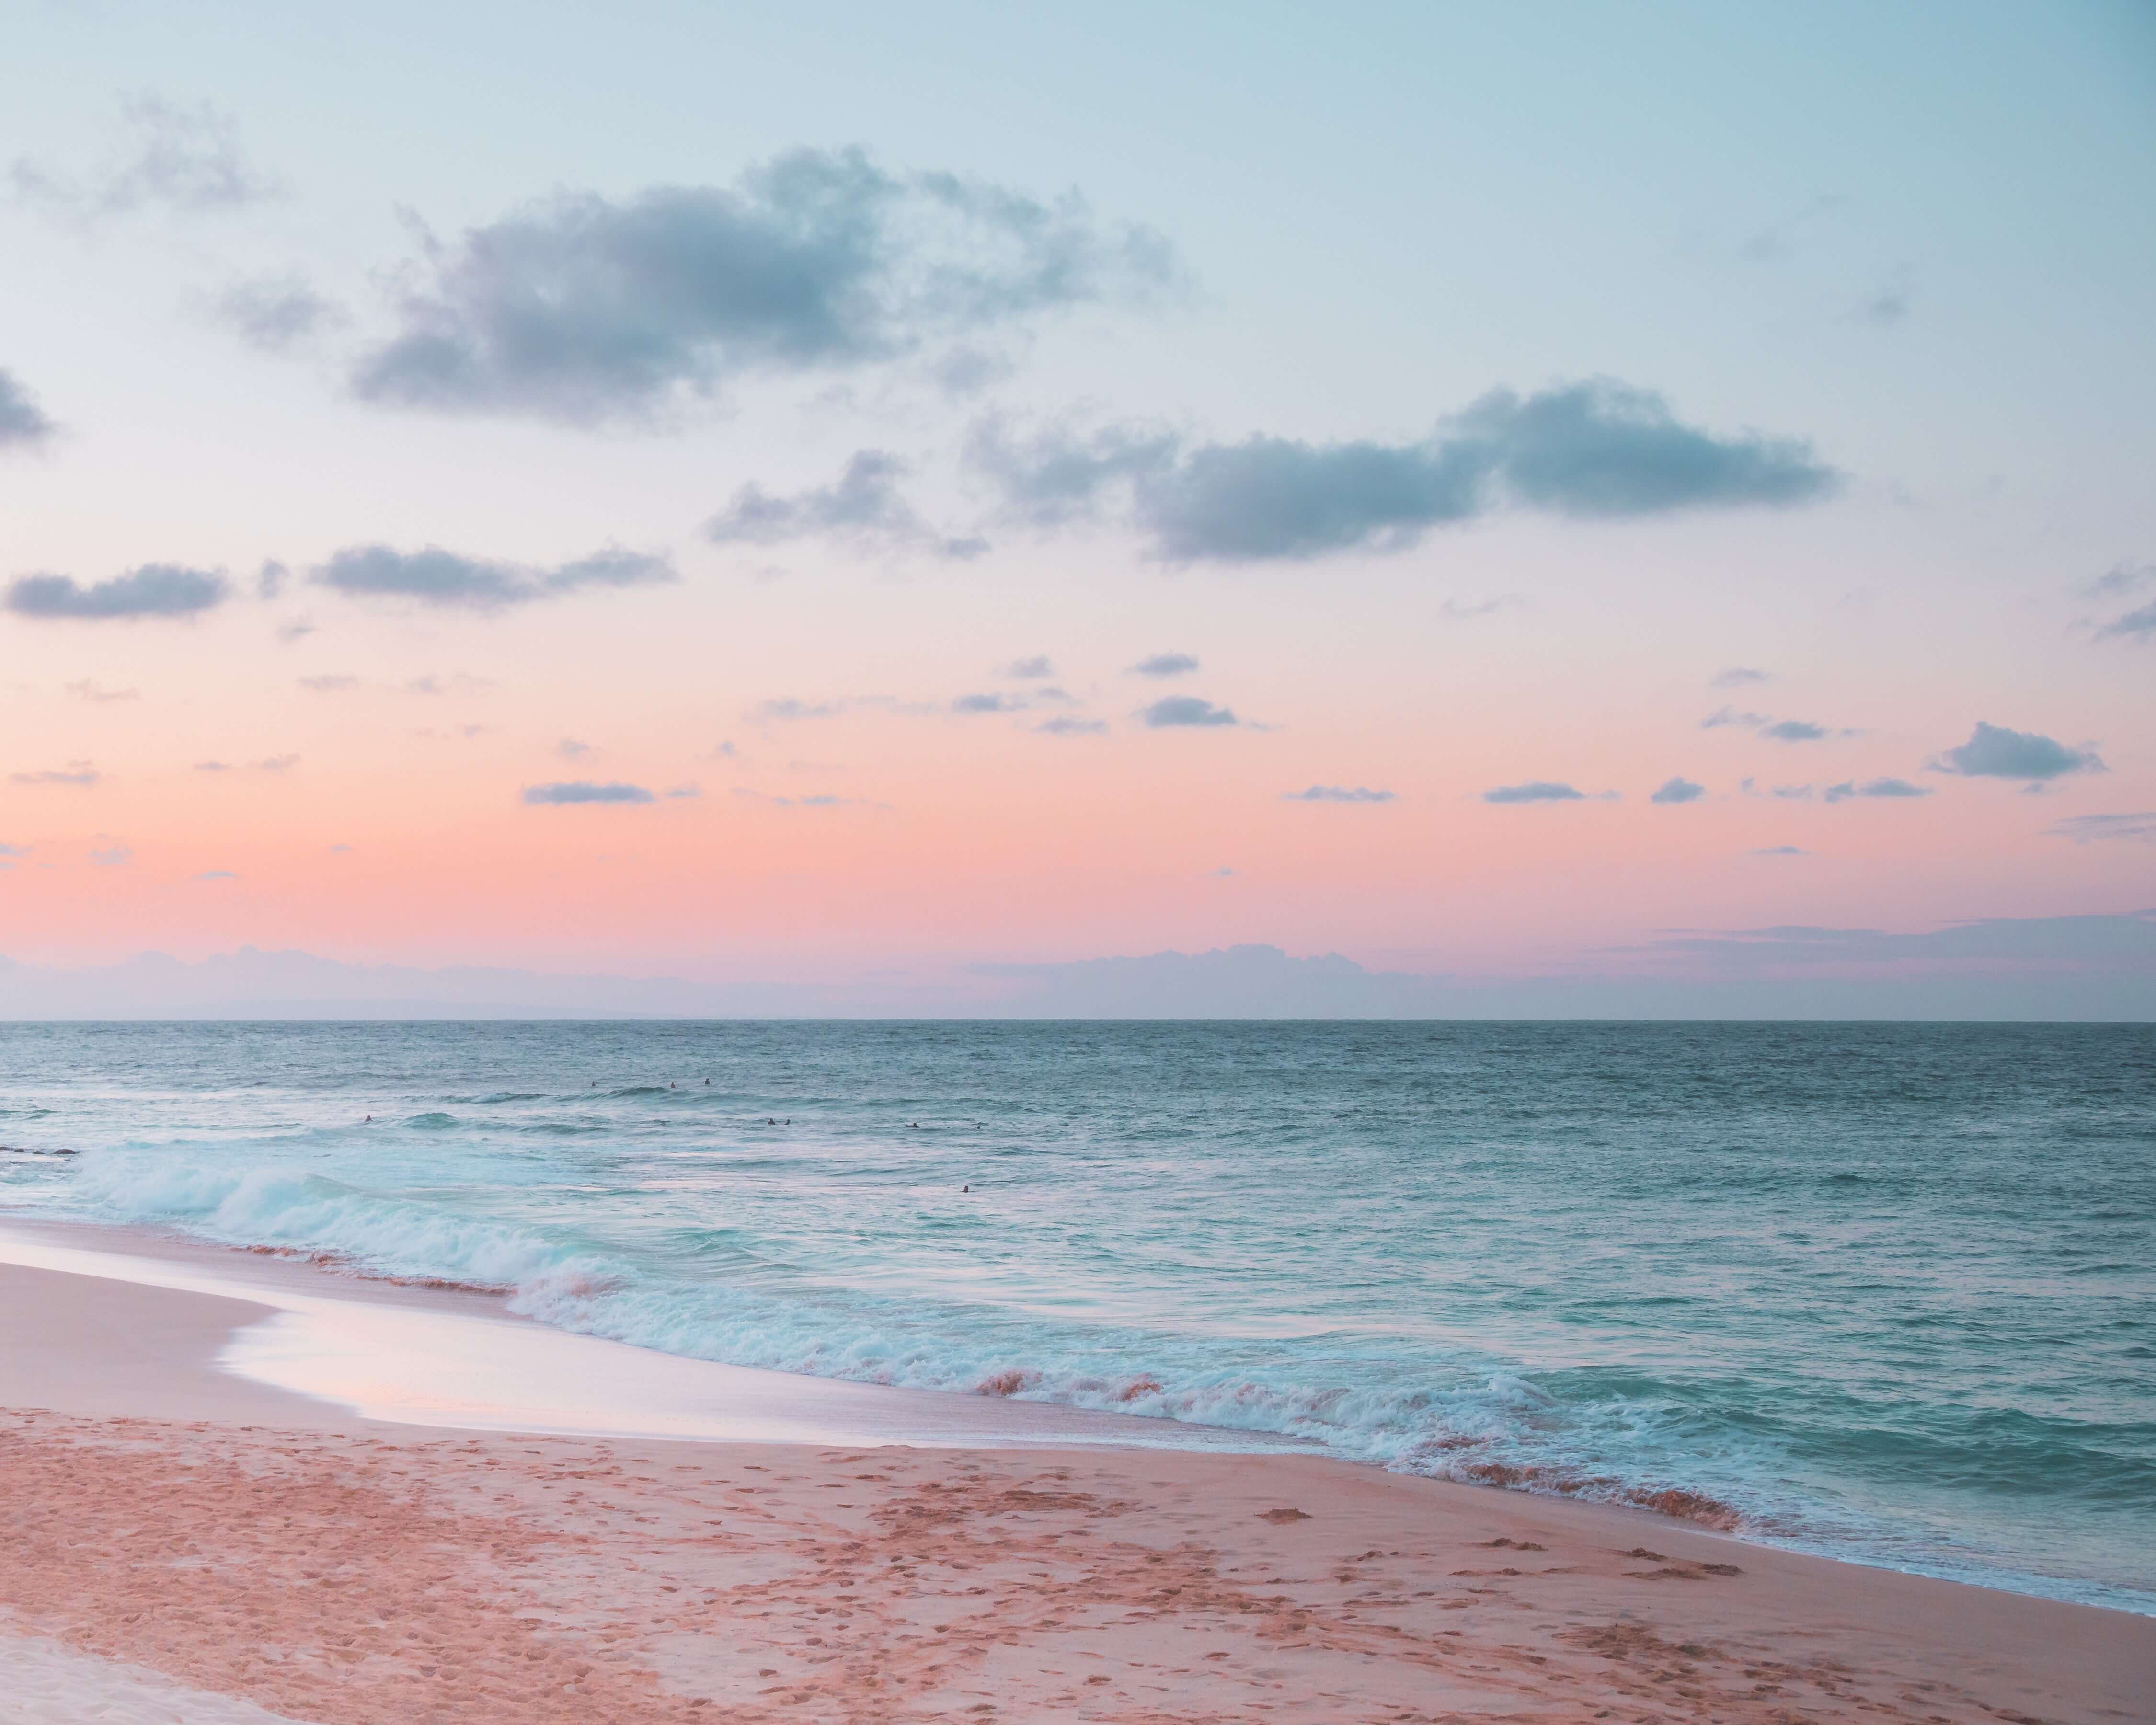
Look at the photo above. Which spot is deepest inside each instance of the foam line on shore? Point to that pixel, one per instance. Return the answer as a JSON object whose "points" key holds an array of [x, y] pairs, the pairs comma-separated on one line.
{"points": [[403, 1362]]}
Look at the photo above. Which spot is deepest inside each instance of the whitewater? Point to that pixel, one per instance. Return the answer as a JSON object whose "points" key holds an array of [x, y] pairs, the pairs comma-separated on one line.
{"points": [[1881, 1291]]}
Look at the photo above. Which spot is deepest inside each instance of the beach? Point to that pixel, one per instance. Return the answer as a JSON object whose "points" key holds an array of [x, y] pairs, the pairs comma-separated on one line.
{"points": [[184, 1536]]}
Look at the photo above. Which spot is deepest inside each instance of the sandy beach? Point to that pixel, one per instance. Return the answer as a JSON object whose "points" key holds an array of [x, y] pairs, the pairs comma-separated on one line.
{"points": [[184, 1542]]}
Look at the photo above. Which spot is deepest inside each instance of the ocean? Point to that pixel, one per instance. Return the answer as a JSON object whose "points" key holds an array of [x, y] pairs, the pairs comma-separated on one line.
{"points": [[1886, 1292]]}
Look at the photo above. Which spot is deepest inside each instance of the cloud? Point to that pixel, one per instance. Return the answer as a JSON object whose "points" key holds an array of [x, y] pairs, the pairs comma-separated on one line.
{"points": [[112, 856], [1174, 710], [186, 159], [1028, 671], [1539, 790], [1873, 787], [24, 424], [821, 800], [679, 792], [1593, 451], [1780, 850], [787, 707], [436, 576], [989, 704], [1736, 676], [582, 790], [1336, 793], [1993, 751], [1455, 612], [274, 313], [1769, 726], [1066, 725], [212, 767], [275, 763], [1165, 664], [2137, 624], [76, 773], [585, 308], [2094, 829], [459, 683], [215, 875], [568, 748], [86, 689], [863, 506], [1678, 790], [327, 685], [154, 590]]}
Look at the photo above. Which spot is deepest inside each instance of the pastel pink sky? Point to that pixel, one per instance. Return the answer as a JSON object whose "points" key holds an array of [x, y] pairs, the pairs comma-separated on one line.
{"points": [[1974, 371]]}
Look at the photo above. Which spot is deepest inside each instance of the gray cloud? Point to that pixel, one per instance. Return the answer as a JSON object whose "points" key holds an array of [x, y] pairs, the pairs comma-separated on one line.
{"points": [[182, 158], [1336, 793], [1165, 664], [1874, 788], [274, 313], [215, 875], [1539, 790], [1993, 751], [1027, 670], [585, 308], [674, 792], [863, 505], [1678, 790], [111, 856], [435, 577], [80, 773], [1780, 850], [1173, 710], [2137, 624], [1736, 676], [582, 790], [821, 800], [24, 424], [1597, 450], [1768, 726], [1067, 726], [154, 590], [568, 748], [2092, 828], [989, 704], [327, 685]]}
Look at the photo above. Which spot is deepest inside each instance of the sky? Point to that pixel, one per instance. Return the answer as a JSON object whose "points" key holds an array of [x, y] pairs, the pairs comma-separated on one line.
{"points": [[844, 496]]}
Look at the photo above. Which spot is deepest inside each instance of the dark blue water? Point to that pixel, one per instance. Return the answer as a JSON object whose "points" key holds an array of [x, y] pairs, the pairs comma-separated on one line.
{"points": [[1882, 1290]]}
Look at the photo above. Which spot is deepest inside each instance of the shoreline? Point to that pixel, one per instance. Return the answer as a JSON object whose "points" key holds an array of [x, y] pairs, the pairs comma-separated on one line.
{"points": [[248, 1541]]}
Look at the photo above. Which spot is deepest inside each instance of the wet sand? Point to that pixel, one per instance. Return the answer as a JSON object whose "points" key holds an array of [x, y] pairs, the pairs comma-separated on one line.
{"points": [[236, 1540]]}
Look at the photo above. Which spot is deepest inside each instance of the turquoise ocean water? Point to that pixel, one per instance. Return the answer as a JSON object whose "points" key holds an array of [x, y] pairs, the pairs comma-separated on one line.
{"points": [[1883, 1292]]}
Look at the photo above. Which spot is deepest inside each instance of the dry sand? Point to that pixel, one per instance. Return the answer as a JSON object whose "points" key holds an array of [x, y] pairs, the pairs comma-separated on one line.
{"points": [[234, 1541]]}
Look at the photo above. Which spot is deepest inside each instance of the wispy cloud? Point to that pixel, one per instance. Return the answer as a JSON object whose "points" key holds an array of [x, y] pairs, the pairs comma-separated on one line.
{"points": [[989, 704], [2138, 827], [863, 505], [444, 579], [1993, 751], [585, 308], [154, 590], [168, 155], [1678, 790], [275, 314], [1736, 676], [24, 424], [1336, 793], [215, 875], [1165, 664], [327, 683], [80, 773], [1780, 850], [1769, 726], [96, 693], [111, 856], [582, 790], [1065, 726], [2138, 624], [1454, 611], [1031, 670]]}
